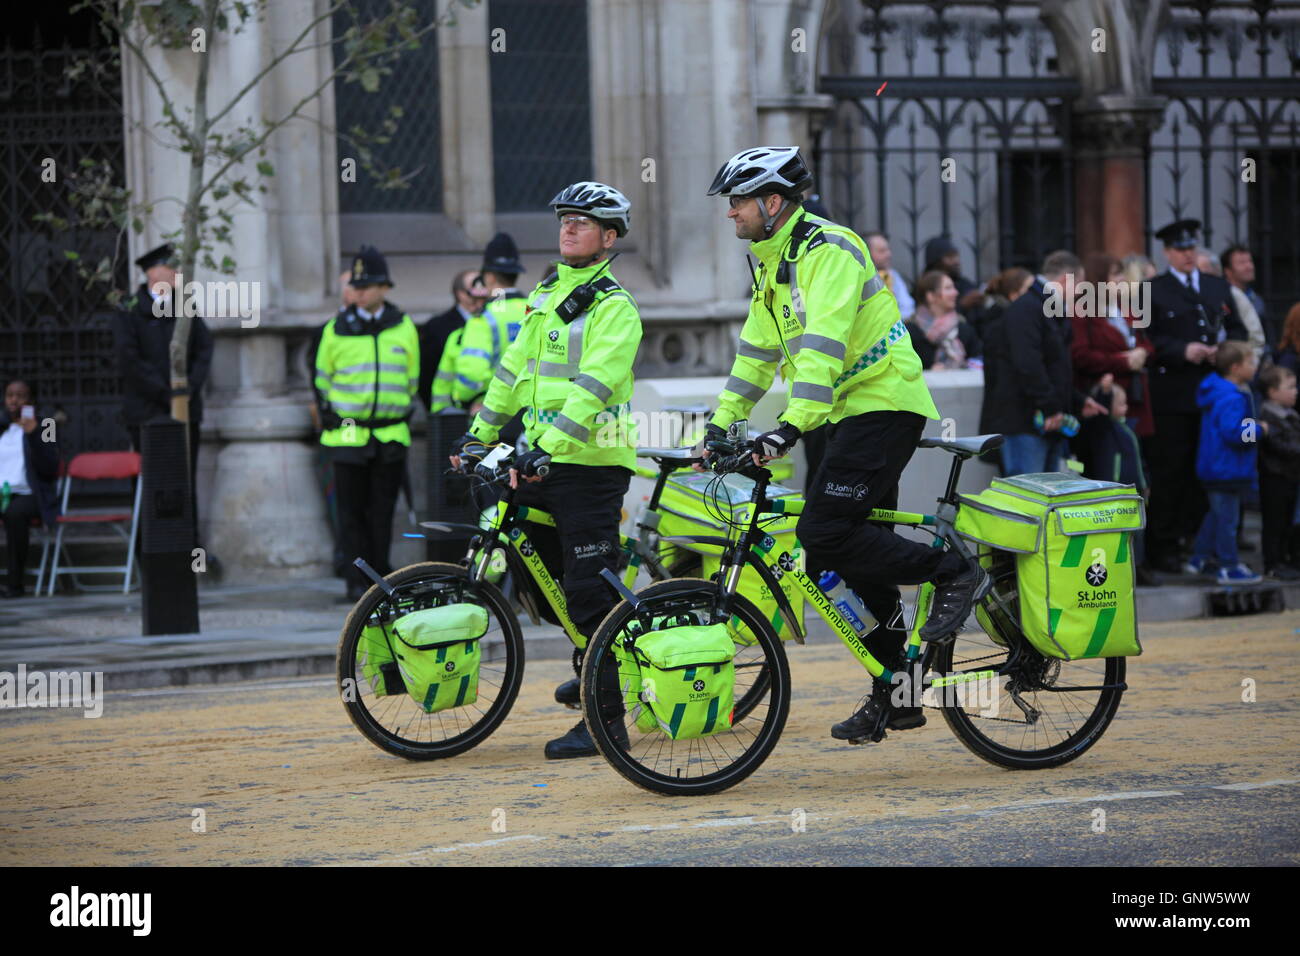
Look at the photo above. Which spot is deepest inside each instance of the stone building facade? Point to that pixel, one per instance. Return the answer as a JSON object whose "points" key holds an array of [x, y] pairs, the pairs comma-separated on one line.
{"points": [[1050, 141]]}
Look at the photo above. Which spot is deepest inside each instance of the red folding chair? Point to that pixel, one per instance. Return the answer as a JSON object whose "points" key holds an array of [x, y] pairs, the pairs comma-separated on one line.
{"points": [[89, 467]]}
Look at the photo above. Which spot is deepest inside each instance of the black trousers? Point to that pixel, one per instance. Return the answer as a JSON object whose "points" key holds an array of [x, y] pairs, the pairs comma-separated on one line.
{"points": [[1277, 497], [18, 535], [1178, 502], [586, 502], [864, 459], [366, 494]]}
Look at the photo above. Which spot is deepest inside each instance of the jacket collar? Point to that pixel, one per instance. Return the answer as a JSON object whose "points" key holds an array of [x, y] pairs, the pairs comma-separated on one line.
{"points": [[769, 250], [388, 317], [569, 276]]}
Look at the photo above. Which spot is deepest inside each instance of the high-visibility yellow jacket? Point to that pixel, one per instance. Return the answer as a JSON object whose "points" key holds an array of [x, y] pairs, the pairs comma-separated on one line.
{"points": [[484, 342], [573, 379], [368, 372], [441, 391], [821, 313]]}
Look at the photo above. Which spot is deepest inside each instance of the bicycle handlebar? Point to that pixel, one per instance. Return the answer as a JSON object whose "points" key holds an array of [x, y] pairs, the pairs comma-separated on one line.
{"points": [[498, 474]]}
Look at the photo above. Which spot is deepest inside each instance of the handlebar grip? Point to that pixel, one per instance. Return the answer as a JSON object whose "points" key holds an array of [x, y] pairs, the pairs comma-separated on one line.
{"points": [[543, 466]]}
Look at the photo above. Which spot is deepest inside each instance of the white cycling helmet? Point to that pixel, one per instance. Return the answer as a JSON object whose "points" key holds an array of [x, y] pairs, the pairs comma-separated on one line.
{"points": [[764, 168], [597, 201]]}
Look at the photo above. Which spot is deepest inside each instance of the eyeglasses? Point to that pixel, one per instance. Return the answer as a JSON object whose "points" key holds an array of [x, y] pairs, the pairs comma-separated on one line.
{"points": [[576, 222], [736, 201]]}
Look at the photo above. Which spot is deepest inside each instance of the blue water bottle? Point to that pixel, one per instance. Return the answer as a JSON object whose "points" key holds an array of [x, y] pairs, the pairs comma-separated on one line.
{"points": [[847, 603], [1069, 424]]}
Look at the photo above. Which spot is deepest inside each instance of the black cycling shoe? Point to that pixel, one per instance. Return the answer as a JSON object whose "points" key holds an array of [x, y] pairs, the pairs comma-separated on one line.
{"points": [[569, 694], [953, 602], [578, 743], [873, 716]]}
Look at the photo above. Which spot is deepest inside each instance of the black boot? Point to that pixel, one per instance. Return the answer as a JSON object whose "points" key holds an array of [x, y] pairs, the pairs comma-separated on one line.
{"points": [[953, 600], [569, 693], [874, 715], [578, 743]]}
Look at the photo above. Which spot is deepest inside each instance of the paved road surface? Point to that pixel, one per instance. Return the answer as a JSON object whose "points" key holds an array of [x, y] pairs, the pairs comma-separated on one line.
{"points": [[1187, 774]]}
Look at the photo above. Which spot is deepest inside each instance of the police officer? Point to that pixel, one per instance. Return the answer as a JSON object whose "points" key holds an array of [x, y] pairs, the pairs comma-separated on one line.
{"points": [[1191, 313], [570, 372], [489, 333], [142, 335], [822, 314], [440, 329], [367, 376]]}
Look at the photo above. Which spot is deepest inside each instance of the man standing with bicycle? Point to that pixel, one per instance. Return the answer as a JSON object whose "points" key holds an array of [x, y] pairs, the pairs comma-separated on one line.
{"points": [[570, 371], [822, 315]]}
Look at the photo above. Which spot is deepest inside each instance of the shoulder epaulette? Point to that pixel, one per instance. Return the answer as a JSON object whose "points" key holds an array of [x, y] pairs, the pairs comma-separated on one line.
{"points": [[805, 235]]}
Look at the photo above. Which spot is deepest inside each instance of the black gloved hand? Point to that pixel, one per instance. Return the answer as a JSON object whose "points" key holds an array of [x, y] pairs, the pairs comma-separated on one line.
{"points": [[330, 420], [777, 442], [713, 432], [528, 463], [458, 446]]}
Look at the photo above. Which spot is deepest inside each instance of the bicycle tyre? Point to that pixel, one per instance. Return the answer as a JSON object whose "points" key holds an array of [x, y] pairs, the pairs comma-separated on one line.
{"points": [[763, 740], [479, 730], [1074, 744]]}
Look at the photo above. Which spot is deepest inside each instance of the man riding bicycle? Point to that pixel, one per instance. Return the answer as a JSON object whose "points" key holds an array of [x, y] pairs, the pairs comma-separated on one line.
{"points": [[822, 315], [570, 370]]}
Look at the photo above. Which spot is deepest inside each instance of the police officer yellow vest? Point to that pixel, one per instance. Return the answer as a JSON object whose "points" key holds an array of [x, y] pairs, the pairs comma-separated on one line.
{"points": [[485, 340], [368, 373]]}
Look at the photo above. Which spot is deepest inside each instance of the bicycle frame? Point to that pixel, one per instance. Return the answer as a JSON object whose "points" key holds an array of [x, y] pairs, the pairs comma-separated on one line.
{"points": [[523, 560], [773, 567]]}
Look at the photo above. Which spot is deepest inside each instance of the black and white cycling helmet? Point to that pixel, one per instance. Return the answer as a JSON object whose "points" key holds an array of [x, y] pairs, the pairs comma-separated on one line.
{"points": [[777, 169], [597, 201]]}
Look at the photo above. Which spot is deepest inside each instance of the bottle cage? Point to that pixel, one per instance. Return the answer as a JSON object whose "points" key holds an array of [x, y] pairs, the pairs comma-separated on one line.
{"points": [[805, 230]]}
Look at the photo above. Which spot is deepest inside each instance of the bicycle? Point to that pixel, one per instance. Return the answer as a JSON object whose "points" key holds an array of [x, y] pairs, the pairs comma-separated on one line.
{"points": [[369, 680], [1038, 734]]}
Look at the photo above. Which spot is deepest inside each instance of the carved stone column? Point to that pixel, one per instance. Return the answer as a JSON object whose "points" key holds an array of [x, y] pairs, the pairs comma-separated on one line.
{"points": [[1110, 195]]}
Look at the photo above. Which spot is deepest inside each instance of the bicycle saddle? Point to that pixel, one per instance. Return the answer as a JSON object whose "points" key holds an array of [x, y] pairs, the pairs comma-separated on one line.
{"points": [[971, 447], [674, 454]]}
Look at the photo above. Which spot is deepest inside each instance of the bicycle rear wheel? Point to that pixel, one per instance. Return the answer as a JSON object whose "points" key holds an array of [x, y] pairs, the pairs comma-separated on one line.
{"points": [[379, 706], [1045, 712], [700, 765]]}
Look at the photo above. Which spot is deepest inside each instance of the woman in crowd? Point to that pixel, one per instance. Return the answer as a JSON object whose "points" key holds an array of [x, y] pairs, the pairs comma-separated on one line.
{"points": [[1287, 353], [941, 337]]}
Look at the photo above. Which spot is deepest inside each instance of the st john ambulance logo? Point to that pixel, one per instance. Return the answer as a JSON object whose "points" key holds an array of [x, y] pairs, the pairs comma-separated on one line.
{"points": [[786, 562], [449, 666], [526, 549], [698, 685], [553, 335], [1096, 575]]}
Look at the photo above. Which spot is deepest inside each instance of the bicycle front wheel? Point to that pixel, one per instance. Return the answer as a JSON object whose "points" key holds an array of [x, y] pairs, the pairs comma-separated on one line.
{"points": [[701, 765], [374, 694]]}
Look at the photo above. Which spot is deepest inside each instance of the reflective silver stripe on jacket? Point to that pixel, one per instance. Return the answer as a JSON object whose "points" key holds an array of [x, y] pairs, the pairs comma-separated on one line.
{"points": [[493, 418], [505, 375], [758, 352], [827, 346], [796, 297], [352, 386], [817, 393], [872, 286], [571, 428], [595, 386], [846, 245], [392, 367], [744, 389], [793, 344]]}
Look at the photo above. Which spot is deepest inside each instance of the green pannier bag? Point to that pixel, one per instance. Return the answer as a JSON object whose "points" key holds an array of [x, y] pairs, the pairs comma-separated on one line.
{"points": [[375, 658], [687, 680], [1074, 564], [438, 654]]}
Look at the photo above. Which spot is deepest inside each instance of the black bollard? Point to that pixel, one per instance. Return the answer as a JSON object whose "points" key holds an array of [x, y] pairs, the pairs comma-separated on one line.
{"points": [[169, 590]]}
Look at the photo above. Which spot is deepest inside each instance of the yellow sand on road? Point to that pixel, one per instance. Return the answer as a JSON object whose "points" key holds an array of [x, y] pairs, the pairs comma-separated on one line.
{"points": [[281, 776]]}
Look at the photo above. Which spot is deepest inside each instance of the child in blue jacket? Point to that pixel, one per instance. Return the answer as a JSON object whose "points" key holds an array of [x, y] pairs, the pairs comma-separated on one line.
{"points": [[1225, 460]]}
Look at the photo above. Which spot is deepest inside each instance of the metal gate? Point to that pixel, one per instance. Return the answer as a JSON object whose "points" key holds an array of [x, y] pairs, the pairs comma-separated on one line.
{"points": [[54, 332], [950, 119]]}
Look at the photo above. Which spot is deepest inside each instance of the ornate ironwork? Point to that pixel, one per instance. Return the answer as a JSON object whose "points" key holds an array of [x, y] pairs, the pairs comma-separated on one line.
{"points": [[1237, 99], [54, 331], [995, 114]]}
